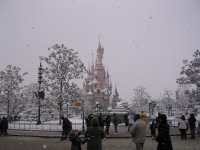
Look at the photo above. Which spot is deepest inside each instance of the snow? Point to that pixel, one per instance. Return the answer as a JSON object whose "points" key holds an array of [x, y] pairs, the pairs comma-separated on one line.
{"points": [[48, 125]]}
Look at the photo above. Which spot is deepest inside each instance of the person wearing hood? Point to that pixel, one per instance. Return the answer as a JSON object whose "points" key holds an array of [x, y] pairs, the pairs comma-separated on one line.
{"points": [[94, 134], [138, 132], [76, 141], [192, 124], [163, 137]]}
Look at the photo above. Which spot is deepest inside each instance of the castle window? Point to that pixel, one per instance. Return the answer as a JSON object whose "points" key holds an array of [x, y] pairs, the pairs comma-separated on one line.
{"points": [[98, 91]]}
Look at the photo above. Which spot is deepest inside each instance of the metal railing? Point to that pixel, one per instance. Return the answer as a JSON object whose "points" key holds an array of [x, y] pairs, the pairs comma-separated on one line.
{"points": [[42, 126]]}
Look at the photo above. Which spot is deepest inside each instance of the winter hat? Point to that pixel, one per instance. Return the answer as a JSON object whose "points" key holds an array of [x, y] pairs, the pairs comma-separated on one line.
{"points": [[143, 116], [95, 121], [163, 117]]}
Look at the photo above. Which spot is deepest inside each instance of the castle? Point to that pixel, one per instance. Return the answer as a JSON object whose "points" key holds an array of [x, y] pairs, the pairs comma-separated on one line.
{"points": [[98, 85]]}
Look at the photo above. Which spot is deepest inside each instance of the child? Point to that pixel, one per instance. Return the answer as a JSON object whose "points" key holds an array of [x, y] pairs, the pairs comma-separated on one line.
{"points": [[76, 140], [153, 130]]}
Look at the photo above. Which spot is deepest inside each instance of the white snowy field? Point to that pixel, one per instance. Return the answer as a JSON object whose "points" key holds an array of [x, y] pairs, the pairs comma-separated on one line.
{"points": [[49, 125]]}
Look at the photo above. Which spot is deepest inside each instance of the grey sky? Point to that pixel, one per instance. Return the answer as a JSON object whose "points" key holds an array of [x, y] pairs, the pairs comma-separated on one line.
{"points": [[145, 41]]}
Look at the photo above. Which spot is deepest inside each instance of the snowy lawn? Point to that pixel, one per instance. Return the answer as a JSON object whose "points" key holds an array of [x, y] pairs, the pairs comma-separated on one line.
{"points": [[49, 125]]}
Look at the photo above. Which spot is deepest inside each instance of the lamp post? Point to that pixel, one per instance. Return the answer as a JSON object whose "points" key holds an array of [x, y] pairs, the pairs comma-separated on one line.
{"points": [[40, 93], [150, 103], [158, 108], [67, 109], [97, 106], [83, 126]]}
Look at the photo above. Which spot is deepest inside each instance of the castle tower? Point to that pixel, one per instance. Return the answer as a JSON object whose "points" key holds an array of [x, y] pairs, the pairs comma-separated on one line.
{"points": [[98, 83]]}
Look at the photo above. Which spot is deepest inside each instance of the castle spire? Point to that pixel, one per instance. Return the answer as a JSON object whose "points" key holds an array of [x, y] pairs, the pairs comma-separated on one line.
{"points": [[89, 67], [92, 61], [107, 73], [115, 92]]}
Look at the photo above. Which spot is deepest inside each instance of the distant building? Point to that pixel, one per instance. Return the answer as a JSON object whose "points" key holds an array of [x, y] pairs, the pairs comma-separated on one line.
{"points": [[98, 85]]}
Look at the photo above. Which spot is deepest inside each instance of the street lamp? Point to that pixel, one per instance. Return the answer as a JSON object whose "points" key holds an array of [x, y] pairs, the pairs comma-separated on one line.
{"points": [[150, 103], [97, 106], [158, 108], [39, 94], [83, 126]]}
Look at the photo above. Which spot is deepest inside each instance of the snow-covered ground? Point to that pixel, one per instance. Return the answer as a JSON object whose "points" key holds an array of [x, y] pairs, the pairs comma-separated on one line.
{"points": [[76, 124], [50, 125]]}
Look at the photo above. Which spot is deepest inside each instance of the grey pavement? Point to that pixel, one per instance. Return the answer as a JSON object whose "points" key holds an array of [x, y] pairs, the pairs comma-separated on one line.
{"points": [[122, 132], [36, 143], [40, 140]]}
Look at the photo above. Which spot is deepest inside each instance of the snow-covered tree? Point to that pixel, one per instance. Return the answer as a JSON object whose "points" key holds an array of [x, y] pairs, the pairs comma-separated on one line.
{"points": [[190, 75], [167, 101], [140, 99], [28, 105], [183, 101], [28, 98], [63, 66], [10, 81]]}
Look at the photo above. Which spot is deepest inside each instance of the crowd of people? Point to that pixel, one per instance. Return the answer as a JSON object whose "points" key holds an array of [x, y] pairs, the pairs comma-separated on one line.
{"points": [[98, 127]]}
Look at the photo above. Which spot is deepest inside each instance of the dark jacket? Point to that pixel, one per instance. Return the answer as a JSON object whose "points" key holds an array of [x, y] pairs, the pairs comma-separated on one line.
{"points": [[163, 137], [108, 120], [115, 120], [153, 128], [76, 142], [4, 124], [88, 120], [95, 134], [67, 125], [192, 122], [101, 121]]}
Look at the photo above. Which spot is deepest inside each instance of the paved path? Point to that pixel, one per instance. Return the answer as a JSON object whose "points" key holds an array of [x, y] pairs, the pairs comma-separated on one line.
{"points": [[35, 143], [122, 132], [41, 140]]}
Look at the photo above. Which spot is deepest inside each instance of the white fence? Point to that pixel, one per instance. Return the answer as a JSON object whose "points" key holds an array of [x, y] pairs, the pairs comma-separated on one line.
{"points": [[42, 126]]}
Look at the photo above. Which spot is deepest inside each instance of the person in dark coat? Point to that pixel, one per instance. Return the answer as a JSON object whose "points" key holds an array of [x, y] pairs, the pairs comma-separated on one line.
{"points": [[76, 140], [163, 137], [115, 122], [67, 127], [153, 130], [108, 120], [1, 127], [89, 119], [158, 120], [101, 121], [192, 124], [94, 134], [126, 119], [5, 126]]}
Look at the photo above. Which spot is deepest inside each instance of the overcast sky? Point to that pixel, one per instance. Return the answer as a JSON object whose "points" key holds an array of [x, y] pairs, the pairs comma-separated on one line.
{"points": [[144, 41]]}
